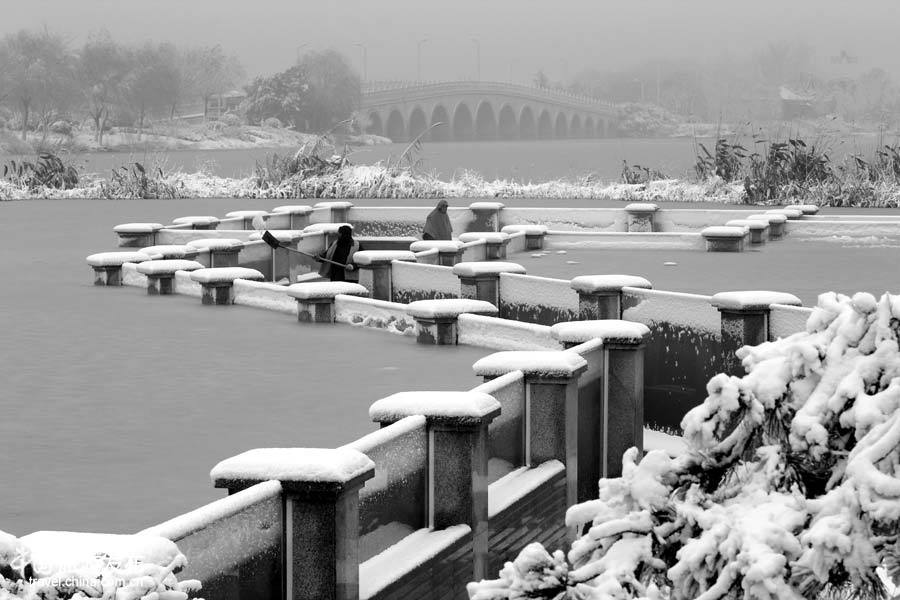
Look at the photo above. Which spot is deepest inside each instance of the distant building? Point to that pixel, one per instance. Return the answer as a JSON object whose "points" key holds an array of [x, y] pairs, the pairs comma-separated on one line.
{"points": [[219, 104], [796, 106]]}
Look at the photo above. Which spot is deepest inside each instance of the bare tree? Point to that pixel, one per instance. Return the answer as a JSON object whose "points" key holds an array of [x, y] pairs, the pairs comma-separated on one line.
{"points": [[103, 69], [334, 89], [208, 71], [153, 81]]}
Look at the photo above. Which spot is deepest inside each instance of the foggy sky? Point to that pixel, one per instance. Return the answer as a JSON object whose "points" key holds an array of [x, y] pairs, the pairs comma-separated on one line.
{"points": [[517, 37]]}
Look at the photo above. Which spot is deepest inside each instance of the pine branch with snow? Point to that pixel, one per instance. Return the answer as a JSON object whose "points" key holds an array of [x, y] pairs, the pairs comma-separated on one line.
{"points": [[790, 487]]}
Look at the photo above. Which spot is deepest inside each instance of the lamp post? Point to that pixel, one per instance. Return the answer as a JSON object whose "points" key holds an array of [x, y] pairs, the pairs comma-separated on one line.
{"points": [[419, 58], [477, 58], [365, 61]]}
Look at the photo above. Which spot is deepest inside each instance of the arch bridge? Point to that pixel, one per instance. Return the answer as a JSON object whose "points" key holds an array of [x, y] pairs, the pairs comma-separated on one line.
{"points": [[469, 110]]}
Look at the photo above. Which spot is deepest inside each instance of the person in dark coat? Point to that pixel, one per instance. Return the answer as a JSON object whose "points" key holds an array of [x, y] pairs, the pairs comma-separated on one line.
{"points": [[340, 251], [437, 224]]}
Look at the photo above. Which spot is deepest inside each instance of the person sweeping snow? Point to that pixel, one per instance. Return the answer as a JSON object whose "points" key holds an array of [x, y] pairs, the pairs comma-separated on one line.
{"points": [[437, 224], [340, 251]]}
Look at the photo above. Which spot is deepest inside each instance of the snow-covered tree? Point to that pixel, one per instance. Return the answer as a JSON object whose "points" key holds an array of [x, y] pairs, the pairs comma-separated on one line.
{"points": [[790, 487]]}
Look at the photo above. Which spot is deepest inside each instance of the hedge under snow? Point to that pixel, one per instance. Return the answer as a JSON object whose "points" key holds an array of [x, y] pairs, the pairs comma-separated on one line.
{"points": [[790, 487]]}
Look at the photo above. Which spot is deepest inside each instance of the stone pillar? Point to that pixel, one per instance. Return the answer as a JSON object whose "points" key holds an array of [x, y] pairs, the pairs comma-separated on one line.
{"points": [[320, 501], [198, 222], [247, 216], [315, 300], [494, 243], [375, 270], [108, 265], [340, 210], [534, 235], [776, 224], [791, 212], [457, 424], [170, 252], [486, 216], [449, 251], [436, 319], [600, 296], [137, 235], [640, 217], [724, 239], [223, 252], [481, 280], [745, 321], [298, 215], [551, 407], [807, 209], [161, 274], [218, 283], [757, 228]]}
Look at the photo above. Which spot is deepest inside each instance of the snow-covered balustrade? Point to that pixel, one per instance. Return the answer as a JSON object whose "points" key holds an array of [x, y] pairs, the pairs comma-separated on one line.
{"points": [[436, 320], [290, 216], [481, 280], [721, 238], [865, 227], [503, 334], [223, 252], [179, 235], [137, 235], [486, 216], [449, 251], [506, 434], [777, 224], [517, 242], [457, 425], [108, 265], [338, 210], [745, 321], [568, 219], [315, 301], [792, 213], [411, 281], [495, 243], [246, 216], [640, 217], [197, 221], [218, 282], [320, 488], [557, 239], [170, 251], [257, 254], [374, 314], [392, 505], [233, 545], [309, 245], [161, 274], [683, 352], [330, 230], [552, 399], [264, 295], [541, 300], [375, 270], [403, 220], [600, 296], [758, 229], [534, 236], [695, 219], [474, 251], [787, 320], [395, 242], [275, 263]]}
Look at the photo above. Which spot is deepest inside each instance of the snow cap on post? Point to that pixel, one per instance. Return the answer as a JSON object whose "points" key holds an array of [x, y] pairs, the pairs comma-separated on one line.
{"points": [[333, 204], [770, 217], [541, 364], [171, 251], [325, 289], [380, 257], [197, 221], [491, 237], [486, 268], [216, 244], [439, 245], [293, 209], [752, 300], [327, 228], [167, 266], [445, 408], [807, 209], [533, 229], [594, 284], [225, 275], [138, 227], [486, 206], [445, 308], [609, 330], [298, 469], [116, 259]]}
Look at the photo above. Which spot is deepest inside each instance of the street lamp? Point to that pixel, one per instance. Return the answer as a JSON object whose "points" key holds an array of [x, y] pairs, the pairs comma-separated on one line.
{"points": [[365, 61], [419, 58], [477, 58]]}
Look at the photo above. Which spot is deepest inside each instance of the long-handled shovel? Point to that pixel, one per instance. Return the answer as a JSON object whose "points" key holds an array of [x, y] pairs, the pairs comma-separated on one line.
{"points": [[272, 241]]}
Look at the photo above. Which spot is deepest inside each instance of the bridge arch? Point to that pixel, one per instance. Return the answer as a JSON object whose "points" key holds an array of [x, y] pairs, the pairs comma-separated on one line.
{"points": [[506, 123], [441, 133], [417, 122], [544, 126], [589, 130], [375, 126], [560, 128], [463, 124], [485, 122], [527, 124], [575, 129], [395, 128]]}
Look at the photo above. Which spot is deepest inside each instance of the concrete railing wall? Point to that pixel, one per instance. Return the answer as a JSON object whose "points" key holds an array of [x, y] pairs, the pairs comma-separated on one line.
{"points": [[537, 299], [413, 281]]}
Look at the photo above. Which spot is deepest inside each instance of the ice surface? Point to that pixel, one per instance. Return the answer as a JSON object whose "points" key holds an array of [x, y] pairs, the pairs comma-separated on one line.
{"points": [[294, 464], [614, 330], [542, 363], [138, 227], [325, 289], [492, 237], [169, 266], [449, 307], [216, 244], [750, 300], [474, 269], [721, 231], [376, 257], [225, 274], [116, 259], [607, 283], [461, 405]]}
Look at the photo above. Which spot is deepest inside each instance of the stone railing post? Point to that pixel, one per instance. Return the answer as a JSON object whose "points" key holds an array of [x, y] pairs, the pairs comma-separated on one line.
{"points": [[640, 217], [481, 280], [777, 224], [320, 501], [720, 238], [486, 216], [758, 229], [139, 235], [340, 210], [534, 234], [247, 216], [198, 222], [551, 405], [745, 321], [315, 300], [600, 296], [223, 252], [457, 425], [436, 319], [161, 274], [298, 215], [449, 251], [375, 270], [218, 283], [108, 265], [495, 243]]}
